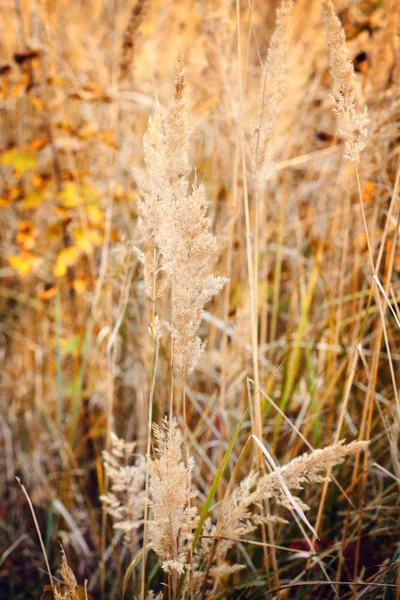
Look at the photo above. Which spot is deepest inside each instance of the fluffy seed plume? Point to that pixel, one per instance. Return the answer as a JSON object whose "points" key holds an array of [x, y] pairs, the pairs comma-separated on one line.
{"points": [[130, 37], [67, 590], [238, 517], [191, 246], [176, 226], [126, 499], [171, 528], [307, 468], [353, 124], [272, 87]]}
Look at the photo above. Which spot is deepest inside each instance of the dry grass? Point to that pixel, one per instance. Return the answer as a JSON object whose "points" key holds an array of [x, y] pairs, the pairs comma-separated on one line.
{"points": [[239, 291]]}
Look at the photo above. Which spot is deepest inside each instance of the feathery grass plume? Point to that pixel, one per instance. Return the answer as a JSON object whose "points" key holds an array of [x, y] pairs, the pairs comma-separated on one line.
{"points": [[150, 207], [190, 245], [176, 226], [67, 590], [307, 468], [272, 88], [353, 124], [130, 37], [173, 520], [126, 499], [238, 517]]}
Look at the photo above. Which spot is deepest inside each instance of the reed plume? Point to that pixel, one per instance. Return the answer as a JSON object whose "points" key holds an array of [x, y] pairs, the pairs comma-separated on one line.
{"points": [[125, 501], [272, 87], [353, 124], [176, 226], [173, 520], [238, 517], [68, 589], [129, 41]]}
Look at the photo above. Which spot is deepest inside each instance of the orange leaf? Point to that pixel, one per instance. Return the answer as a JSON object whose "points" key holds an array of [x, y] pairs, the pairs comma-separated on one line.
{"points": [[79, 285], [26, 235], [368, 192], [48, 293], [25, 263], [37, 144]]}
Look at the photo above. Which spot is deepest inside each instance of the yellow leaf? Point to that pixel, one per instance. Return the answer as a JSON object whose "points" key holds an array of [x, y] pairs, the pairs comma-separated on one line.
{"points": [[82, 240], [31, 201], [67, 258], [24, 262], [20, 160], [86, 239], [95, 214], [70, 196]]}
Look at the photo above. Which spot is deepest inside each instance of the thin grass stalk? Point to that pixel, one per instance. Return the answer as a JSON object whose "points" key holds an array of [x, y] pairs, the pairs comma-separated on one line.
{"points": [[383, 330], [252, 272], [154, 362], [249, 254], [337, 437], [224, 340], [278, 268], [186, 461], [296, 351], [366, 417], [250, 269], [60, 385], [46, 560]]}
